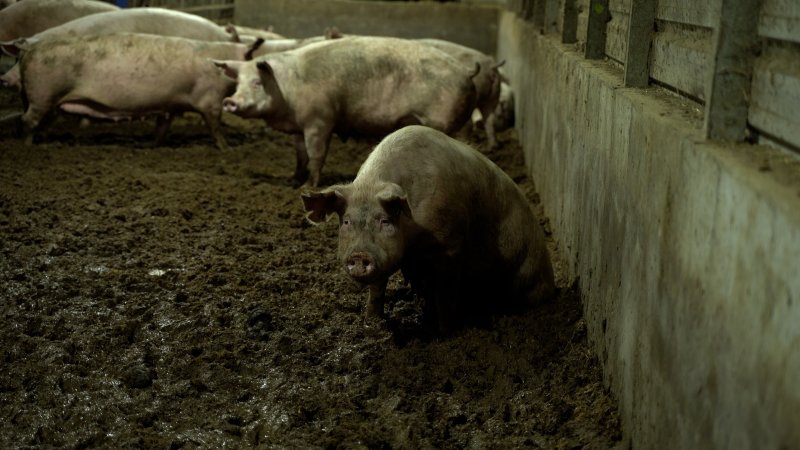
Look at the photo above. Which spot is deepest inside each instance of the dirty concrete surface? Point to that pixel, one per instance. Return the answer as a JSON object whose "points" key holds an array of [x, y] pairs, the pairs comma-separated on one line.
{"points": [[175, 297]]}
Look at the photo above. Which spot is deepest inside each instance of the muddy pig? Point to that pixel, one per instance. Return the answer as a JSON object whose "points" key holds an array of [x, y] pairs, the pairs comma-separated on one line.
{"points": [[158, 21], [504, 114], [351, 86], [127, 75], [29, 17], [454, 223]]}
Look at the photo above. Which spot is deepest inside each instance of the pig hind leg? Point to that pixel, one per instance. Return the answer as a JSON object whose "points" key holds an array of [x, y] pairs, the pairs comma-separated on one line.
{"points": [[35, 116], [163, 122], [488, 125], [301, 166], [211, 110], [214, 126], [317, 137]]}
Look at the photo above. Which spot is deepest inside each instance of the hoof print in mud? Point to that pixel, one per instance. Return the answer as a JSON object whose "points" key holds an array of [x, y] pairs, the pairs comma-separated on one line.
{"points": [[139, 377], [260, 324]]}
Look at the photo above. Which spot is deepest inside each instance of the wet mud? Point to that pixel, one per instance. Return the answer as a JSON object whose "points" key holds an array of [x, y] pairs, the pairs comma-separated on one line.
{"points": [[175, 297]]}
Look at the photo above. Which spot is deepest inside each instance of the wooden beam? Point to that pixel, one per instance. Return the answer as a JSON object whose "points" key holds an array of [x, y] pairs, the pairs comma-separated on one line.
{"points": [[640, 39], [569, 27], [551, 10], [537, 13], [596, 29], [728, 92]]}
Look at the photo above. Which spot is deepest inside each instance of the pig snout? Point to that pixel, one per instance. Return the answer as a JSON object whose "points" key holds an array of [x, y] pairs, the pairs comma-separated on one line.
{"points": [[230, 105], [360, 265]]}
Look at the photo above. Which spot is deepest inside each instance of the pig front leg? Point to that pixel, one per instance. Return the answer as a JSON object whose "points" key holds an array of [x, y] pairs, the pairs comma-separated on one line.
{"points": [[488, 126], [317, 137], [163, 122], [377, 296], [301, 168]]}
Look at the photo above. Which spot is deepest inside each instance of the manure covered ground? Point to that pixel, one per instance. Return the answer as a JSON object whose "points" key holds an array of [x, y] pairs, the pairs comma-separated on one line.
{"points": [[175, 297]]}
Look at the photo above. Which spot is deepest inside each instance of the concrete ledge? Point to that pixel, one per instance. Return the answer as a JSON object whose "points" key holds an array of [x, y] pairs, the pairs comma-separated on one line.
{"points": [[687, 251]]}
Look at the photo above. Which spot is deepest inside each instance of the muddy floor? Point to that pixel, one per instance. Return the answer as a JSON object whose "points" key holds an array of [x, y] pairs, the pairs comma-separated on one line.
{"points": [[174, 296]]}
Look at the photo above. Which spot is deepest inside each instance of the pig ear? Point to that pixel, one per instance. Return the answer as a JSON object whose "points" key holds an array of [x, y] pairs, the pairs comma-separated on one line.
{"points": [[394, 200], [231, 30], [321, 204], [249, 55], [264, 68], [231, 68]]}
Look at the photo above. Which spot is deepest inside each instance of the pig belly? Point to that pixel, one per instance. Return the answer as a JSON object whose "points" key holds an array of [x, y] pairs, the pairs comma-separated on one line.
{"points": [[100, 111]]}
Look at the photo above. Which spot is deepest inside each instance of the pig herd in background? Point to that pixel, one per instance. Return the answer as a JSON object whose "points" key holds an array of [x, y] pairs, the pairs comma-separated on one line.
{"points": [[457, 226]]}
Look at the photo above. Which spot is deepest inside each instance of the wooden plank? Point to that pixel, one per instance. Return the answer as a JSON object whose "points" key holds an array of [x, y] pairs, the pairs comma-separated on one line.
{"points": [[569, 22], [780, 19], [729, 91], [583, 20], [596, 29], [681, 57], [551, 13], [537, 13], [617, 36], [775, 105], [640, 38], [703, 13], [528, 7]]}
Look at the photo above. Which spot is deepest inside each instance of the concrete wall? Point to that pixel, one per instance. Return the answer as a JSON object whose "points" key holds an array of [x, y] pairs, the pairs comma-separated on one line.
{"points": [[687, 251], [467, 24]]}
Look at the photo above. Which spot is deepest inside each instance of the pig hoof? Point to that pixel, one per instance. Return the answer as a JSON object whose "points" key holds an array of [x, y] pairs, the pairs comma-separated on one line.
{"points": [[376, 321]]}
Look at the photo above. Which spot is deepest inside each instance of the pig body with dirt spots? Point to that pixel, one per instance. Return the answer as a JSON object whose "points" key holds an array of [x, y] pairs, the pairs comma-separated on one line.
{"points": [[127, 75], [454, 223], [351, 86], [157, 21], [23, 19]]}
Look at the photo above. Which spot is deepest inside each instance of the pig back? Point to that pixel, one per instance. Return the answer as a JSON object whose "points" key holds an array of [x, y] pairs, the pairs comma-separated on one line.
{"points": [[373, 83], [127, 71], [23, 19], [158, 21]]}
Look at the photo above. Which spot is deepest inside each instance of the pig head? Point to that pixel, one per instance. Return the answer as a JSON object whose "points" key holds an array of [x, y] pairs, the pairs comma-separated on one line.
{"points": [[376, 227], [257, 94]]}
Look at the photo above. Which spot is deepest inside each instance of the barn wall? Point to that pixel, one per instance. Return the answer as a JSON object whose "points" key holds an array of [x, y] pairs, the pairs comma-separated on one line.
{"points": [[468, 24], [687, 250]]}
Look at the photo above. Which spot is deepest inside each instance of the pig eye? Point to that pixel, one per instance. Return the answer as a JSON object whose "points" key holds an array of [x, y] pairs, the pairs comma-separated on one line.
{"points": [[385, 223], [345, 221], [256, 82]]}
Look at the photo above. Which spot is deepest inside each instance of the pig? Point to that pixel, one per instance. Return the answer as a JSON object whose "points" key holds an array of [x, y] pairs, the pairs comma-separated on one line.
{"points": [[127, 75], [23, 19], [487, 81], [456, 226], [160, 21], [504, 113], [156, 21], [350, 86]]}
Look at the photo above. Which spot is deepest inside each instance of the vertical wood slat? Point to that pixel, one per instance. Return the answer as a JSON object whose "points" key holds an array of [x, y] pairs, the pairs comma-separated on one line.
{"points": [[551, 10], [537, 14], [728, 91], [569, 29], [596, 29], [640, 38]]}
